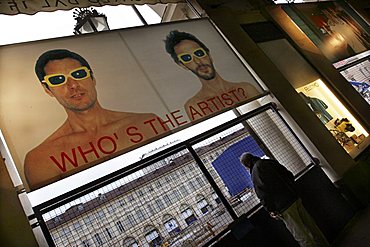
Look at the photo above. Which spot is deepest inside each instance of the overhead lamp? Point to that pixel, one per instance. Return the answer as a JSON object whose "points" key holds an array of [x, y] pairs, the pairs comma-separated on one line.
{"points": [[89, 20]]}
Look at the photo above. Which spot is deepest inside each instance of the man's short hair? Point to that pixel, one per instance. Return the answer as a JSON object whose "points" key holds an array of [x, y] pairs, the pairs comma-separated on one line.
{"points": [[56, 55], [247, 158], [175, 37]]}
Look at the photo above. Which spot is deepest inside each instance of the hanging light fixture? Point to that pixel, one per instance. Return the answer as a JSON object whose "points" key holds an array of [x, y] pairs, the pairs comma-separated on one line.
{"points": [[89, 20]]}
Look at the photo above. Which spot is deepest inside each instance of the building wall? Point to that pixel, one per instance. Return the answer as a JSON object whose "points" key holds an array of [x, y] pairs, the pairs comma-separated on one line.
{"points": [[13, 221], [229, 21]]}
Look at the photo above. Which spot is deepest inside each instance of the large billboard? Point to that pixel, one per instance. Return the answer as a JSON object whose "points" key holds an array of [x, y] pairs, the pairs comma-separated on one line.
{"points": [[70, 103], [340, 34]]}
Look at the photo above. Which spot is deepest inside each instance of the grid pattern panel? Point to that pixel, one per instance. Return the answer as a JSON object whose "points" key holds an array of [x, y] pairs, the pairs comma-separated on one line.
{"points": [[222, 151], [169, 201], [220, 154], [281, 142]]}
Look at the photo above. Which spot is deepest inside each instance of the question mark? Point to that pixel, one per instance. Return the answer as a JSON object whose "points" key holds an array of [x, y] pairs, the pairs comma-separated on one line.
{"points": [[243, 92]]}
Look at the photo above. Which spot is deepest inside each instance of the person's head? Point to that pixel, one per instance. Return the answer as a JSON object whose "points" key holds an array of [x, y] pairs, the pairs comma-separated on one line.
{"points": [[67, 76], [247, 159], [57, 54], [190, 53]]}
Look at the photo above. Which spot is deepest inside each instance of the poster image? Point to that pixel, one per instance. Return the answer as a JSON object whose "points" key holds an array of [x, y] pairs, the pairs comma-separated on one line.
{"points": [[340, 35], [70, 103]]}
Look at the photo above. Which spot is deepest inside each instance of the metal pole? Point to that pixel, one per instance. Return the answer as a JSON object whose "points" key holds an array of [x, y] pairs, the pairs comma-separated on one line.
{"points": [[139, 15]]}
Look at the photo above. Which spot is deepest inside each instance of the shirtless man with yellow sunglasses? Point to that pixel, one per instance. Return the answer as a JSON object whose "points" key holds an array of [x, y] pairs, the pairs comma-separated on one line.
{"points": [[90, 133], [215, 93]]}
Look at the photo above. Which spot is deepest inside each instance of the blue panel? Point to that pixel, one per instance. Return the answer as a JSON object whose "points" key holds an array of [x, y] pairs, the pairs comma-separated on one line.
{"points": [[235, 176]]}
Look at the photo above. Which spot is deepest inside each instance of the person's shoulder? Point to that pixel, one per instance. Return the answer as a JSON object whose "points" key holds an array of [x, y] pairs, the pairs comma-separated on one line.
{"points": [[195, 99], [249, 89], [40, 150], [265, 163], [33, 155], [247, 85], [37, 171]]}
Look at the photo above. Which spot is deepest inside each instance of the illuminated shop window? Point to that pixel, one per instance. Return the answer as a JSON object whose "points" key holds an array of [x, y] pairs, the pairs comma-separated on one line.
{"points": [[332, 113]]}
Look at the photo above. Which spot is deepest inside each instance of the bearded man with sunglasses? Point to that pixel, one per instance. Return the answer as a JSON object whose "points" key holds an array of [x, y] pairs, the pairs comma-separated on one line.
{"points": [[216, 93], [90, 132]]}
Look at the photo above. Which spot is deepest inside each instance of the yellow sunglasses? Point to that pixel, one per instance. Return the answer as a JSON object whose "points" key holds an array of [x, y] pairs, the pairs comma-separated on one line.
{"points": [[55, 80], [188, 57]]}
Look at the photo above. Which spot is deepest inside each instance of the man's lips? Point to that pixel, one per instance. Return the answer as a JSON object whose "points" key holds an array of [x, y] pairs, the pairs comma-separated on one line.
{"points": [[203, 68], [77, 95]]}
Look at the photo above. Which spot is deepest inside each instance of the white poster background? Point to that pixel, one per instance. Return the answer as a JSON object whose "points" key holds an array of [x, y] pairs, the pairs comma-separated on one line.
{"points": [[132, 70]]}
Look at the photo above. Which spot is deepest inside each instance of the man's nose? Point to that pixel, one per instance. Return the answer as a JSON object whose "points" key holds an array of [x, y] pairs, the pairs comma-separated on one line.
{"points": [[71, 83], [196, 60]]}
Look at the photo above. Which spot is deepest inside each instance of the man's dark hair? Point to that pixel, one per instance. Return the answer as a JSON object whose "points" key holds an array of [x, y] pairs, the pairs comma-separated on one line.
{"points": [[175, 37], [247, 159], [56, 55]]}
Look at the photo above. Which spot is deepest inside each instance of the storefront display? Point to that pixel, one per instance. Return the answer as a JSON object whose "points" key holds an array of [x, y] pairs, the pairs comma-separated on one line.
{"points": [[314, 90], [331, 112]]}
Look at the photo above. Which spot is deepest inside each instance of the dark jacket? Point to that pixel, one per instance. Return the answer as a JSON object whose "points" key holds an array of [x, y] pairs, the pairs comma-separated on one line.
{"points": [[274, 185]]}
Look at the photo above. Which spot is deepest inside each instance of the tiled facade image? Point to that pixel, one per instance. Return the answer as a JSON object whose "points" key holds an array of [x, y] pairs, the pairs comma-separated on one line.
{"points": [[171, 202], [177, 201]]}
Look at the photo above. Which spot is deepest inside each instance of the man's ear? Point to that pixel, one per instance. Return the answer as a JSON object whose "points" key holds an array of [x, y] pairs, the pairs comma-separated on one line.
{"points": [[47, 89]]}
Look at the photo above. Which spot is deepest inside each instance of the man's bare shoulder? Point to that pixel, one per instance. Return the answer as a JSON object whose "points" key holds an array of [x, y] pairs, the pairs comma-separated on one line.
{"points": [[194, 100], [249, 89], [37, 170], [243, 84], [43, 148]]}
